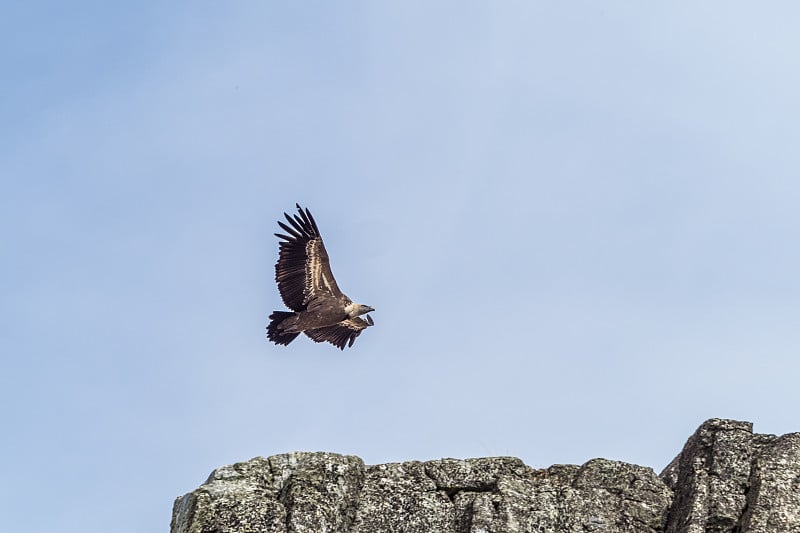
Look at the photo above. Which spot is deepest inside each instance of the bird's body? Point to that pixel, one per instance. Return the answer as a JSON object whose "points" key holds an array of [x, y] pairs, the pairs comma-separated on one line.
{"points": [[308, 288]]}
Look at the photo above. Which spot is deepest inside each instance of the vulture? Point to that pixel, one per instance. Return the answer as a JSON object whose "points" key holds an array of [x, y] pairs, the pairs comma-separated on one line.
{"points": [[307, 287]]}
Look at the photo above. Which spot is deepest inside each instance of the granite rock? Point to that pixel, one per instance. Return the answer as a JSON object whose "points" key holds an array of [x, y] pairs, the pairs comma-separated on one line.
{"points": [[726, 479]]}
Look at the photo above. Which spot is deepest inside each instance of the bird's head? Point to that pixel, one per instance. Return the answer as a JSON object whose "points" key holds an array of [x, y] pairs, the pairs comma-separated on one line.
{"points": [[353, 310]]}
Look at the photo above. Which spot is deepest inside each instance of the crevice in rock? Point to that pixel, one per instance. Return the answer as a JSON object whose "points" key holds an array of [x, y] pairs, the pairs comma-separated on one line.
{"points": [[463, 513], [283, 499], [452, 492], [738, 527]]}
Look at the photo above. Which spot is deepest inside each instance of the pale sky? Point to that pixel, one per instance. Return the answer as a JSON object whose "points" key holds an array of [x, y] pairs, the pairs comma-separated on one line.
{"points": [[577, 222]]}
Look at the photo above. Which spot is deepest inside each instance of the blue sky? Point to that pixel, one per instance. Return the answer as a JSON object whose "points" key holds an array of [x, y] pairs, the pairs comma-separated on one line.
{"points": [[578, 224]]}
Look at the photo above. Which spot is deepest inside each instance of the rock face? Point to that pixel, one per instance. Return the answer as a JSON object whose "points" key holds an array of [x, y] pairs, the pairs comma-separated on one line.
{"points": [[726, 479]]}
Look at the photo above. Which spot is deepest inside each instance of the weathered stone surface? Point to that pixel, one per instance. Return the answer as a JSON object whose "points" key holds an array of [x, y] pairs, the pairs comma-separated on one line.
{"points": [[304, 492], [773, 499], [726, 479], [710, 478], [298, 492]]}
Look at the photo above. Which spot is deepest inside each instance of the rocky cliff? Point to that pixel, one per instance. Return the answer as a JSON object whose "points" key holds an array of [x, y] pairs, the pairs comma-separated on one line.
{"points": [[726, 479]]}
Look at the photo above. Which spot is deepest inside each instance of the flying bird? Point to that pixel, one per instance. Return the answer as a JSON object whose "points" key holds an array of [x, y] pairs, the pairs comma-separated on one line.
{"points": [[308, 288]]}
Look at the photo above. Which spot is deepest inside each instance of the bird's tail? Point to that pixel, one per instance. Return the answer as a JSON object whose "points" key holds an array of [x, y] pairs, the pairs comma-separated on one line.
{"points": [[277, 335]]}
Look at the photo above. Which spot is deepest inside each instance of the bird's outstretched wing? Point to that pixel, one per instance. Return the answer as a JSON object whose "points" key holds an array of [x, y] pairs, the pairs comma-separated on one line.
{"points": [[303, 271], [342, 334]]}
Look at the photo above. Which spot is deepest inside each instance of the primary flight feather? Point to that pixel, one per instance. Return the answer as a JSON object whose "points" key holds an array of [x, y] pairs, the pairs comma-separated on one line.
{"points": [[308, 288]]}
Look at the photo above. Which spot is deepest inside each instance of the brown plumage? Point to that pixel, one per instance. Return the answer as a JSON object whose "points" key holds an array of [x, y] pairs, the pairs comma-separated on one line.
{"points": [[308, 288]]}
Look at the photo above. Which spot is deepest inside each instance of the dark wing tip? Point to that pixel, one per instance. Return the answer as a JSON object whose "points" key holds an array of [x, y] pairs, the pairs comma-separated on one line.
{"points": [[289, 230], [305, 218], [313, 222]]}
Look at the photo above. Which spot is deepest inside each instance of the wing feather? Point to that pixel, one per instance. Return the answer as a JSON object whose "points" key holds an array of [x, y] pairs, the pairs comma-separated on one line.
{"points": [[303, 270], [310, 219], [297, 224], [291, 231], [342, 334]]}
